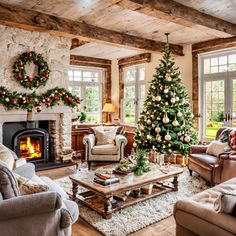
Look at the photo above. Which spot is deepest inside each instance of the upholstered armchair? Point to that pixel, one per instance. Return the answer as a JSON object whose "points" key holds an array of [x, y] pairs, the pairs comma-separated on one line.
{"points": [[106, 152], [215, 169]]}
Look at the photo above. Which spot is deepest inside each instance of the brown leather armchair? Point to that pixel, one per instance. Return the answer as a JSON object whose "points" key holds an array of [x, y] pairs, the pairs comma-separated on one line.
{"points": [[214, 169]]}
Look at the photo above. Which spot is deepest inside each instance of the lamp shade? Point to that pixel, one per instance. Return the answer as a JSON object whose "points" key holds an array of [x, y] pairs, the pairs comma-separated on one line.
{"points": [[108, 107]]}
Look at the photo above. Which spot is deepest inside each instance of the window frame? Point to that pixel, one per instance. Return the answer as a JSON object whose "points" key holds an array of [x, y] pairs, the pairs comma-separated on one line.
{"points": [[137, 83], [226, 76], [83, 84]]}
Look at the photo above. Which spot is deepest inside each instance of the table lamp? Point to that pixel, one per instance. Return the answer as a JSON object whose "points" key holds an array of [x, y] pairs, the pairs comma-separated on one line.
{"points": [[109, 108]]}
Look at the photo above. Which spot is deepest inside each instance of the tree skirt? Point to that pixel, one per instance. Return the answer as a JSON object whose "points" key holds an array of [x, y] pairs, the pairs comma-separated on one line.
{"points": [[141, 215]]}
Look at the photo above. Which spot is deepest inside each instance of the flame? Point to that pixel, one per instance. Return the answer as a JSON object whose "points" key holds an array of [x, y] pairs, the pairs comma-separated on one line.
{"points": [[30, 148]]}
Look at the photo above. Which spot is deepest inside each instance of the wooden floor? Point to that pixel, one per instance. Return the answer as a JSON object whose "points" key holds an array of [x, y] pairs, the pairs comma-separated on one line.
{"points": [[82, 228]]}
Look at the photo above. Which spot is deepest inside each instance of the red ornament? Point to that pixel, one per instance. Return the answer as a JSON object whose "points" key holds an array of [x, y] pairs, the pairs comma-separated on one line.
{"points": [[21, 63], [78, 99], [70, 100], [14, 102], [39, 109], [43, 100], [48, 99], [29, 79], [66, 96], [55, 97]]}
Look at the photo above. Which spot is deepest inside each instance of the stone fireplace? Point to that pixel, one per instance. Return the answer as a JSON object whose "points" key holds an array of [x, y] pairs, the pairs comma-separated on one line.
{"points": [[56, 51]]}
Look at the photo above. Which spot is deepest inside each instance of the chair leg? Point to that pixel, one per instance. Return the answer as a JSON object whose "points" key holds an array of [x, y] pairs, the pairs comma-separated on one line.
{"points": [[89, 165], [190, 172]]}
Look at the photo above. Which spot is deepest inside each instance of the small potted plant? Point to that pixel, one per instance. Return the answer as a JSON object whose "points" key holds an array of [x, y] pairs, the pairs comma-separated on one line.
{"points": [[82, 116]]}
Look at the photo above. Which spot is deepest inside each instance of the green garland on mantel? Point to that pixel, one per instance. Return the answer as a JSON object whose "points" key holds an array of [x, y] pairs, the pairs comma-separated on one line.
{"points": [[14, 100], [24, 101]]}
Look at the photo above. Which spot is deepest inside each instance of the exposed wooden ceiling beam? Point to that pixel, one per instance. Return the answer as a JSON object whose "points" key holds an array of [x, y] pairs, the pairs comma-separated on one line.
{"points": [[178, 13], [94, 60], [214, 44], [75, 43], [32, 20], [137, 59]]}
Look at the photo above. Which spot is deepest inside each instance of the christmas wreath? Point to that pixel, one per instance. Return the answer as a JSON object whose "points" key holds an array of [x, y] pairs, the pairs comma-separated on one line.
{"points": [[21, 76]]}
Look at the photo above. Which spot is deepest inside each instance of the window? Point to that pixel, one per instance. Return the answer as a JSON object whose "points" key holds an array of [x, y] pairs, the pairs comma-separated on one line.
{"points": [[134, 93], [218, 92], [87, 83]]}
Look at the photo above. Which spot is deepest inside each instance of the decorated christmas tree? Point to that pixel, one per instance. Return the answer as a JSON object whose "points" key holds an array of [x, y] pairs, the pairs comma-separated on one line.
{"points": [[166, 122]]}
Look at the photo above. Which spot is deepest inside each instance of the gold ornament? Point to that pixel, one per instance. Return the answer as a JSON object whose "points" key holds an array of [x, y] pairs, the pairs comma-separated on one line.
{"points": [[179, 114], [175, 122], [165, 119], [158, 129], [173, 100], [149, 122], [167, 137], [187, 139]]}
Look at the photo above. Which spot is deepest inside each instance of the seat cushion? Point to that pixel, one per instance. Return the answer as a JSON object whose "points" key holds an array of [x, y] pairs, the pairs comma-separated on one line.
{"points": [[8, 183], [108, 149], [204, 159]]}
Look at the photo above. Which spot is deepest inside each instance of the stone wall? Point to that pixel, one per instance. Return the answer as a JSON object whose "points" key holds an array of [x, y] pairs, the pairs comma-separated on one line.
{"points": [[56, 51]]}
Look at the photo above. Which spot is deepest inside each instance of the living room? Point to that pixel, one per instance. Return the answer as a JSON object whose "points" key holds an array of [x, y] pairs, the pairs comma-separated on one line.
{"points": [[117, 117]]}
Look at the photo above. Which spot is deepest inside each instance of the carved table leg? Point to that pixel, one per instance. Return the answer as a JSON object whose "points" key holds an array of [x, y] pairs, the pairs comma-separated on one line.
{"points": [[175, 183], [108, 207], [74, 190]]}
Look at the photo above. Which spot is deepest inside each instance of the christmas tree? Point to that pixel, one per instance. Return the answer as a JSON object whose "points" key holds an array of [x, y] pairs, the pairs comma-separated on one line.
{"points": [[166, 122]]}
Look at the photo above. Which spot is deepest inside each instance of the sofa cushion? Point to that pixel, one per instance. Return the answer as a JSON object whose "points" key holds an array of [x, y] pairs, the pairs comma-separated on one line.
{"points": [[27, 170], [27, 186], [204, 158], [6, 157], [8, 183], [53, 186], [216, 147], [108, 149], [106, 137]]}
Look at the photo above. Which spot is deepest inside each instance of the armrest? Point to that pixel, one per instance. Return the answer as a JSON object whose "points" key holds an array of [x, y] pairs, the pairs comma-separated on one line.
{"points": [[27, 170], [120, 139], [198, 149], [20, 162], [206, 213], [89, 139], [28, 205]]}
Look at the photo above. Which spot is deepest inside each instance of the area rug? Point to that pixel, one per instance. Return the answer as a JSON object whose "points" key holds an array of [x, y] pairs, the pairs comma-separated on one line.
{"points": [[141, 215]]}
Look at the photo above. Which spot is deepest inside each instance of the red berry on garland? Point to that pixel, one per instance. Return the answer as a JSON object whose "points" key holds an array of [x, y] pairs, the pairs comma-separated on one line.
{"points": [[43, 100], [78, 99], [48, 99], [30, 54], [27, 85], [14, 102], [55, 97], [66, 96], [36, 58]]}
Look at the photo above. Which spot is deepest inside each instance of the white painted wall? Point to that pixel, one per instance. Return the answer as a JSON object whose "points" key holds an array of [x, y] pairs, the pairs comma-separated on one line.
{"points": [[183, 62]]}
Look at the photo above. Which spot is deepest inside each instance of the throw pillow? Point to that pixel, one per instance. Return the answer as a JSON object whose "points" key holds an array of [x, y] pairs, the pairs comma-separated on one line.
{"points": [[8, 183], [216, 147], [6, 157], [224, 136], [232, 139], [27, 186], [107, 137]]}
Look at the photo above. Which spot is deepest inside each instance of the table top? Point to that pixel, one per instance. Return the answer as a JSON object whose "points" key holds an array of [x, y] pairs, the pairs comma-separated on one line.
{"points": [[127, 182]]}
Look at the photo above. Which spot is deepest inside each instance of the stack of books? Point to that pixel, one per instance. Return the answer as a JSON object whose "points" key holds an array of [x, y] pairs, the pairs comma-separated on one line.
{"points": [[105, 179]]}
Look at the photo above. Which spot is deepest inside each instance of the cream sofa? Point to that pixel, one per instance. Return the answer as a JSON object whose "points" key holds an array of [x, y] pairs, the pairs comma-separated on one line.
{"points": [[197, 216]]}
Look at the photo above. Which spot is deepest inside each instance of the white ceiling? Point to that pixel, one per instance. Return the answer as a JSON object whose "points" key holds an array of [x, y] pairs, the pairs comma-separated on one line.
{"points": [[103, 51]]}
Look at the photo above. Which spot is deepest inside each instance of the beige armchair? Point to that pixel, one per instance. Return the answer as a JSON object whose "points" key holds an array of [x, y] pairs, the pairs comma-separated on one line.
{"points": [[106, 152]]}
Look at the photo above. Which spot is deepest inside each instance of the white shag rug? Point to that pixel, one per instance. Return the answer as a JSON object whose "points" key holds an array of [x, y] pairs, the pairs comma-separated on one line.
{"points": [[141, 215]]}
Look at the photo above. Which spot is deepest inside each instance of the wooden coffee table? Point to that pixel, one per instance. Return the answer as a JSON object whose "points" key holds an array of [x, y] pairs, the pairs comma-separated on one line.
{"points": [[101, 202]]}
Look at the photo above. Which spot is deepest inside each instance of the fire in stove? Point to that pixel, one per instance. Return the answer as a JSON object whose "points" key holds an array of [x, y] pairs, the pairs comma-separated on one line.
{"points": [[30, 148]]}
